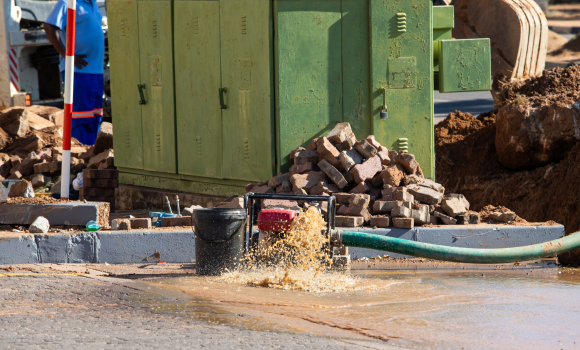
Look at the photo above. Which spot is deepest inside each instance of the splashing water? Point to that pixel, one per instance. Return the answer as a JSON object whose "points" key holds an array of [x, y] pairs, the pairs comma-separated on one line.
{"points": [[299, 261]]}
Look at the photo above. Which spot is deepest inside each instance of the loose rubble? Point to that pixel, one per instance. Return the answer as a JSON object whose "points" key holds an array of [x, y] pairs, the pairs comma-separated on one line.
{"points": [[372, 185]]}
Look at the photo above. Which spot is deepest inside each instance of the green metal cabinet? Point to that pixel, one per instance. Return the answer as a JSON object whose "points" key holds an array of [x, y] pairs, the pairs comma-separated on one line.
{"points": [[232, 86]]}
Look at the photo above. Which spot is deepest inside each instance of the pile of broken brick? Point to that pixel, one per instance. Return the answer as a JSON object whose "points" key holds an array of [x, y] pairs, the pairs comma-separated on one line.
{"points": [[372, 185], [31, 147]]}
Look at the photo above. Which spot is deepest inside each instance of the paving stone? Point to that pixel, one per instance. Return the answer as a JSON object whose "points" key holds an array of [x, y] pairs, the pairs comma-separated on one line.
{"points": [[235, 203], [408, 162], [447, 220], [96, 192], [498, 216], [401, 212], [399, 195], [39, 225], [460, 197], [365, 149], [414, 179], [278, 179], [371, 139], [377, 180], [433, 220], [342, 134], [407, 223], [462, 219], [280, 203], [333, 173], [420, 217], [96, 160], [121, 224], [329, 153], [360, 188], [362, 200], [393, 175], [302, 168], [474, 218], [350, 158], [343, 198], [360, 211], [380, 221], [366, 170], [104, 139], [100, 174], [375, 194], [39, 180], [349, 221], [305, 156], [306, 181], [176, 221], [285, 187], [383, 154], [263, 189], [320, 188], [453, 207], [295, 153], [385, 207], [343, 210], [15, 176], [425, 195], [141, 223]]}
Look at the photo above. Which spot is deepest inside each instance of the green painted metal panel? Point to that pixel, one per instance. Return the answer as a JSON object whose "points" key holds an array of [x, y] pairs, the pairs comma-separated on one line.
{"points": [[156, 66], [309, 64], [197, 67], [124, 58], [246, 63], [443, 17], [464, 65], [402, 64], [356, 83]]}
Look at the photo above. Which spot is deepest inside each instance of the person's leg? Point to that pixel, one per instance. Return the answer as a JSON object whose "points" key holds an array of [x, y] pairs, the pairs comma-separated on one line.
{"points": [[84, 109], [99, 86]]}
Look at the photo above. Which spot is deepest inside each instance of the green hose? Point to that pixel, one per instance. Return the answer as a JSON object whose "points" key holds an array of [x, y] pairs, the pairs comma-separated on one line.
{"points": [[464, 255]]}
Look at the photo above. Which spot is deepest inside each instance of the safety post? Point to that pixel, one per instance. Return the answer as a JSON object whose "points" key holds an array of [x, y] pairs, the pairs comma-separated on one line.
{"points": [[68, 97]]}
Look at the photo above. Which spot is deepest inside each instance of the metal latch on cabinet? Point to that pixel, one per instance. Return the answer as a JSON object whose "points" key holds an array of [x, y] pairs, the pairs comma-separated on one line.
{"points": [[141, 94]]}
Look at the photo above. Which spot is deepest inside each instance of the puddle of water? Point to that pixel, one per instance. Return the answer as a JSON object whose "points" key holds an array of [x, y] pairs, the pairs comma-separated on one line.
{"points": [[412, 309]]}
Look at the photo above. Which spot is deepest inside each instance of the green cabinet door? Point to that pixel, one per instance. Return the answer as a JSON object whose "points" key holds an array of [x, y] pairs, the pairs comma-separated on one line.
{"points": [[198, 79], [246, 63], [309, 68], [124, 60], [402, 65], [156, 66]]}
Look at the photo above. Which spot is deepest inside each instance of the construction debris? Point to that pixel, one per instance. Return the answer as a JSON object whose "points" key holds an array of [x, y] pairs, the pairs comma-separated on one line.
{"points": [[39, 225], [99, 186], [372, 185]]}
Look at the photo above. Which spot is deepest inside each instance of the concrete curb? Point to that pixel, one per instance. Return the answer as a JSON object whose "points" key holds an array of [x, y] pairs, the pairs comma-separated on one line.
{"points": [[178, 246]]}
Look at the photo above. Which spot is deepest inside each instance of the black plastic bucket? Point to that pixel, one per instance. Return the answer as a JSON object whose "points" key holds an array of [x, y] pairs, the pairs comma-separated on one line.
{"points": [[219, 239]]}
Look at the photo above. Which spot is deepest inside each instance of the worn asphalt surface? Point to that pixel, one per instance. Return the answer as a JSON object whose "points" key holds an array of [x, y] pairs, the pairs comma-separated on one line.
{"points": [[74, 307]]}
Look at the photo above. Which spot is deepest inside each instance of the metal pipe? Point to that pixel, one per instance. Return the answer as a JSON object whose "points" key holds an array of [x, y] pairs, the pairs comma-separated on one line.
{"points": [[464, 255]]}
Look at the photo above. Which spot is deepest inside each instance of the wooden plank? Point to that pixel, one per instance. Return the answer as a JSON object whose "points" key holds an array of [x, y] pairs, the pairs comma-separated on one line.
{"points": [[124, 58], [356, 97], [309, 66], [246, 62], [402, 63], [156, 65], [197, 66]]}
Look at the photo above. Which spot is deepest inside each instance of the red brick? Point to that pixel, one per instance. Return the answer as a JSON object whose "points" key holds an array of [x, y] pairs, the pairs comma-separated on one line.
{"points": [[366, 170], [176, 221], [359, 200], [314, 144], [295, 152], [15, 160], [360, 211], [249, 187], [342, 134], [304, 168], [383, 154], [376, 181], [329, 153], [280, 203], [343, 210], [278, 179], [107, 199], [399, 195], [380, 221], [319, 189], [263, 189], [342, 198], [371, 139], [304, 157], [403, 223], [333, 173]]}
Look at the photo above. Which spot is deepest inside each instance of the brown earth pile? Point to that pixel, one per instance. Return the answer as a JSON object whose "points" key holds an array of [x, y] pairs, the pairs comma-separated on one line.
{"points": [[557, 86], [568, 51], [467, 163]]}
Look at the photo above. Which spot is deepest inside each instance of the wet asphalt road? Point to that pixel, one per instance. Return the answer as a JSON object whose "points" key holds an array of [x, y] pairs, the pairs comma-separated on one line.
{"points": [[467, 102], [65, 311]]}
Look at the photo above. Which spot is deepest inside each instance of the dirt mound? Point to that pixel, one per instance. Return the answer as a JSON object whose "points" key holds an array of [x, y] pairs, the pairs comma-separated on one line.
{"points": [[557, 86], [467, 163], [568, 51]]}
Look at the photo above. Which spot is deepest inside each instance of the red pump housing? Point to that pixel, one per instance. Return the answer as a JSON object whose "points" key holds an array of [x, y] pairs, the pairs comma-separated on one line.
{"points": [[278, 220]]}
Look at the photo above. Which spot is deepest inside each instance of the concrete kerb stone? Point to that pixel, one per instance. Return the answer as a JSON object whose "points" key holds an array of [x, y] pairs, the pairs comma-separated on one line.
{"points": [[178, 246]]}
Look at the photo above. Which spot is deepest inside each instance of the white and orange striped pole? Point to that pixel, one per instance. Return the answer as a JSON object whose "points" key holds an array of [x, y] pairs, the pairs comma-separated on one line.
{"points": [[69, 74]]}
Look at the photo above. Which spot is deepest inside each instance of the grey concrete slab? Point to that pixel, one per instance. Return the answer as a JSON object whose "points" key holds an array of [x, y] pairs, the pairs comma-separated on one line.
{"points": [[18, 249], [67, 213], [358, 253], [119, 247]]}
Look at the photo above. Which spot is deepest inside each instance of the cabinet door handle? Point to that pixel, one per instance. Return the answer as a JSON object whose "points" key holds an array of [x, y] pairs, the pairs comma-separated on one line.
{"points": [[141, 87], [222, 104]]}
